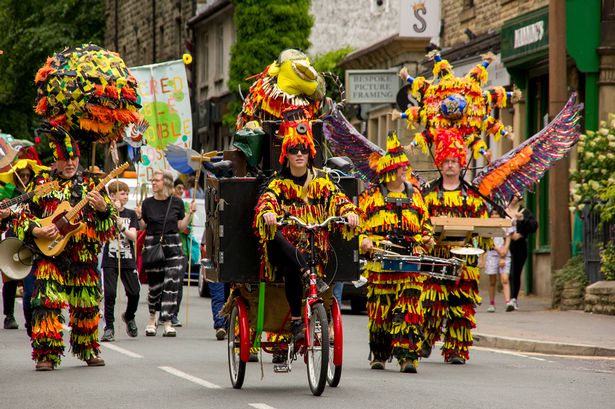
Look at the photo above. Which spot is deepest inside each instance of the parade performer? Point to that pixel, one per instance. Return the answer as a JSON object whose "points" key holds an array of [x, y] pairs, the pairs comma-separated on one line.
{"points": [[394, 211], [72, 277], [445, 299], [307, 193]]}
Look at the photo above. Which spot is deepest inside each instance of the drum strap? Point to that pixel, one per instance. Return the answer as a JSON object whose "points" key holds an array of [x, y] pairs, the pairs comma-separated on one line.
{"points": [[398, 201]]}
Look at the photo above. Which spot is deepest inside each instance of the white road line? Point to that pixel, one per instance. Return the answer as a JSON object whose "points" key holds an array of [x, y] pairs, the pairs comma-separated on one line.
{"points": [[507, 352], [121, 350], [260, 406], [190, 378]]}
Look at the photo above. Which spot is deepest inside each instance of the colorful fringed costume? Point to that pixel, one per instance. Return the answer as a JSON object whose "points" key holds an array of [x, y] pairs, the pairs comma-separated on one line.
{"points": [[313, 202], [444, 299], [393, 299], [71, 278]]}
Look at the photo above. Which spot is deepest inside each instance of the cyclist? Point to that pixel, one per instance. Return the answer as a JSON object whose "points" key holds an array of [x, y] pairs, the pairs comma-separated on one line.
{"points": [[395, 212], [307, 193]]}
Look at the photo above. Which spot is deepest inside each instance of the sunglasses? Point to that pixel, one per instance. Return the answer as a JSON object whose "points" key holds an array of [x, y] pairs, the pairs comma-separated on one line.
{"points": [[298, 148]]}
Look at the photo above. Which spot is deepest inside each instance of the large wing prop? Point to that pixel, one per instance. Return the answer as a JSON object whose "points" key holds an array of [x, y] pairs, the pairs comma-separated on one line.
{"points": [[519, 169], [345, 140]]}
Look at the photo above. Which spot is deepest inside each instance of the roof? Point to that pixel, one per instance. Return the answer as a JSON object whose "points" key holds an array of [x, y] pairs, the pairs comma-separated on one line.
{"points": [[207, 10]]}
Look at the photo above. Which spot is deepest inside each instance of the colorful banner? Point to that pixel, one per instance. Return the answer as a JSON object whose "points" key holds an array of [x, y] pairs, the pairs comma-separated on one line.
{"points": [[165, 99]]}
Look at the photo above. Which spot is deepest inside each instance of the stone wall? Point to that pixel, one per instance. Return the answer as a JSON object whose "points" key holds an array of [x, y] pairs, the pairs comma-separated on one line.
{"points": [[600, 298], [484, 16], [138, 22]]}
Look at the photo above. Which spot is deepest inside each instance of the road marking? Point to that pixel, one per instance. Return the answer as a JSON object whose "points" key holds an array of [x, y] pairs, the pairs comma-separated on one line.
{"points": [[260, 406], [190, 378], [506, 352], [121, 350]]}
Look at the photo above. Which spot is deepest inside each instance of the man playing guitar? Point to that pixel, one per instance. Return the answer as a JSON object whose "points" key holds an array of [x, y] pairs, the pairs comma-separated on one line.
{"points": [[70, 278]]}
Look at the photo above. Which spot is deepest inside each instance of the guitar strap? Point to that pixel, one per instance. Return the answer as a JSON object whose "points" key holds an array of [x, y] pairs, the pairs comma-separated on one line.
{"points": [[76, 193]]}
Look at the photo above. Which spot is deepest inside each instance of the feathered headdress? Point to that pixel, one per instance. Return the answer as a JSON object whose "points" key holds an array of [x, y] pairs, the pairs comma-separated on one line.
{"points": [[295, 131], [394, 158], [62, 144], [448, 143]]}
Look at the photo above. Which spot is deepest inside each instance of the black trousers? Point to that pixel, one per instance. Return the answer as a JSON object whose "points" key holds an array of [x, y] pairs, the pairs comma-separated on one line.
{"points": [[130, 280], [9, 289], [518, 255], [289, 262]]}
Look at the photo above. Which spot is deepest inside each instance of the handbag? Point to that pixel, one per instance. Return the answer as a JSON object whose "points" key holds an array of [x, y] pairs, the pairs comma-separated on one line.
{"points": [[153, 256]]}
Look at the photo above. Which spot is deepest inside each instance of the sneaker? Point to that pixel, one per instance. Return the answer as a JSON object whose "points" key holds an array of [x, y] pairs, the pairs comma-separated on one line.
{"points": [[278, 357], [456, 360], [408, 366], [95, 361], [108, 335], [175, 322], [515, 304], [150, 330], [220, 334], [10, 323], [375, 364], [510, 306], [491, 308], [131, 326], [297, 328]]}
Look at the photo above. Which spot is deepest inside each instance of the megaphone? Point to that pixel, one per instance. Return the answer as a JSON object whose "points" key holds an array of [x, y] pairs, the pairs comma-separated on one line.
{"points": [[15, 258]]}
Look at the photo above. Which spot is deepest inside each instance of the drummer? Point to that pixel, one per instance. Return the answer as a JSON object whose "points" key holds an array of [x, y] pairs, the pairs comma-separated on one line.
{"points": [[306, 193], [395, 214], [445, 301]]}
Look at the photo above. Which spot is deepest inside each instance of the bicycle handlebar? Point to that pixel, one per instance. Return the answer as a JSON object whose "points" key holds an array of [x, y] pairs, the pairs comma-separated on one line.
{"points": [[335, 219]]}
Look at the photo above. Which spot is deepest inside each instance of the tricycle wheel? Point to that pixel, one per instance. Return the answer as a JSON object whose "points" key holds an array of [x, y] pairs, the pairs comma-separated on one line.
{"points": [[336, 341], [318, 349], [237, 367]]}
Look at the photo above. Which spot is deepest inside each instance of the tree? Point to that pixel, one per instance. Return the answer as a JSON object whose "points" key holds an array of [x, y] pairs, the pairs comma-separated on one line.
{"points": [[31, 31], [264, 28]]}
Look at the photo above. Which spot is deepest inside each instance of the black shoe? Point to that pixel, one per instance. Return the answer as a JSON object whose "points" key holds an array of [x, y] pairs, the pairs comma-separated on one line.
{"points": [[456, 360], [425, 351], [131, 326], [253, 357], [297, 328], [175, 322], [278, 358], [108, 335], [10, 323]]}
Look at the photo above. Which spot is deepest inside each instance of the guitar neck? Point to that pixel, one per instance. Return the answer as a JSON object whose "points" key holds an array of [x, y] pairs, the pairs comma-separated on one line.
{"points": [[16, 200], [77, 208]]}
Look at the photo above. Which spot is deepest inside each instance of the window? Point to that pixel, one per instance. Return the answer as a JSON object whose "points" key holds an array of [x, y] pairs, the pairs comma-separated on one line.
{"points": [[468, 4], [220, 52], [204, 59]]}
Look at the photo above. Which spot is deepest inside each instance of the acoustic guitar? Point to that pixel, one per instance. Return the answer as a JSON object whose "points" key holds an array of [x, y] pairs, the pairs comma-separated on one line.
{"points": [[65, 219], [40, 190]]}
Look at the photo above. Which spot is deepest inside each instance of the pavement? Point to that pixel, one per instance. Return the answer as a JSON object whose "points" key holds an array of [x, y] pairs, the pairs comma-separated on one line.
{"points": [[536, 327]]}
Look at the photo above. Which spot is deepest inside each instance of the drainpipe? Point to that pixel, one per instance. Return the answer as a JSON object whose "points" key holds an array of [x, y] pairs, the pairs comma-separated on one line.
{"points": [[154, 31]]}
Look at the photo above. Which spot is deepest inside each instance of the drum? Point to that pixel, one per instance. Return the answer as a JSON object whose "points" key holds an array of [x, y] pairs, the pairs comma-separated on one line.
{"points": [[449, 269]]}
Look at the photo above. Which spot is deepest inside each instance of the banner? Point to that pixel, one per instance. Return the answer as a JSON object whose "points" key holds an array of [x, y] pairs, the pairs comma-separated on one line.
{"points": [[165, 99]]}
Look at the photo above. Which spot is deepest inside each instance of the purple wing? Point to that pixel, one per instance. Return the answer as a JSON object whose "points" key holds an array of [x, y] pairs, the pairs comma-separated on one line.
{"points": [[520, 168], [345, 140]]}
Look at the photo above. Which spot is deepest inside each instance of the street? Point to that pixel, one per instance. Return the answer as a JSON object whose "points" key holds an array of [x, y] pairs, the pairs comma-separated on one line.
{"points": [[190, 371]]}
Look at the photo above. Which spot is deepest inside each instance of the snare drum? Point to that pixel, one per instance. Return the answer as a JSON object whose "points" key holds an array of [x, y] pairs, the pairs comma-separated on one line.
{"points": [[449, 269]]}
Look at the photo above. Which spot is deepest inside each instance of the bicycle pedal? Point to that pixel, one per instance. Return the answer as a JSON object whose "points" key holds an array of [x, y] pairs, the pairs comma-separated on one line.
{"points": [[281, 368]]}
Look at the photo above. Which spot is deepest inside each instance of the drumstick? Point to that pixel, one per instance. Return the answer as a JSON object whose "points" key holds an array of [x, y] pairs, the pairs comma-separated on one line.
{"points": [[383, 251], [388, 243]]}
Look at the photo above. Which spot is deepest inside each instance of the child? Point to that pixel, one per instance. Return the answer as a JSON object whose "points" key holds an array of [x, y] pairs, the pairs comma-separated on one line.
{"points": [[126, 268], [498, 262]]}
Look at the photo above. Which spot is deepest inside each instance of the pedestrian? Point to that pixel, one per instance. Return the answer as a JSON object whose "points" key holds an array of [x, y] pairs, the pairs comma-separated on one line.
{"points": [[163, 216], [395, 212], [19, 176], [524, 224], [450, 306], [72, 276], [118, 260], [497, 263]]}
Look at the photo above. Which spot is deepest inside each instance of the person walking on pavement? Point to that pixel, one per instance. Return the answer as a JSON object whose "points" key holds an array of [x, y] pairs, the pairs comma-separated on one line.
{"points": [[524, 224], [450, 306], [119, 260], [71, 277], [497, 263], [157, 221], [395, 212]]}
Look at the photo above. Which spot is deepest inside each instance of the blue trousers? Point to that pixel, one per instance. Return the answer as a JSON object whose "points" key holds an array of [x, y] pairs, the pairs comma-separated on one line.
{"points": [[218, 298]]}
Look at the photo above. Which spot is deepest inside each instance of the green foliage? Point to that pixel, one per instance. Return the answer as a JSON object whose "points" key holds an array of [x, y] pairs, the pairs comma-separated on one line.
{"points": [[572, 272], [264, 28], [607, 258], [328, 62], [31, 31]]}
